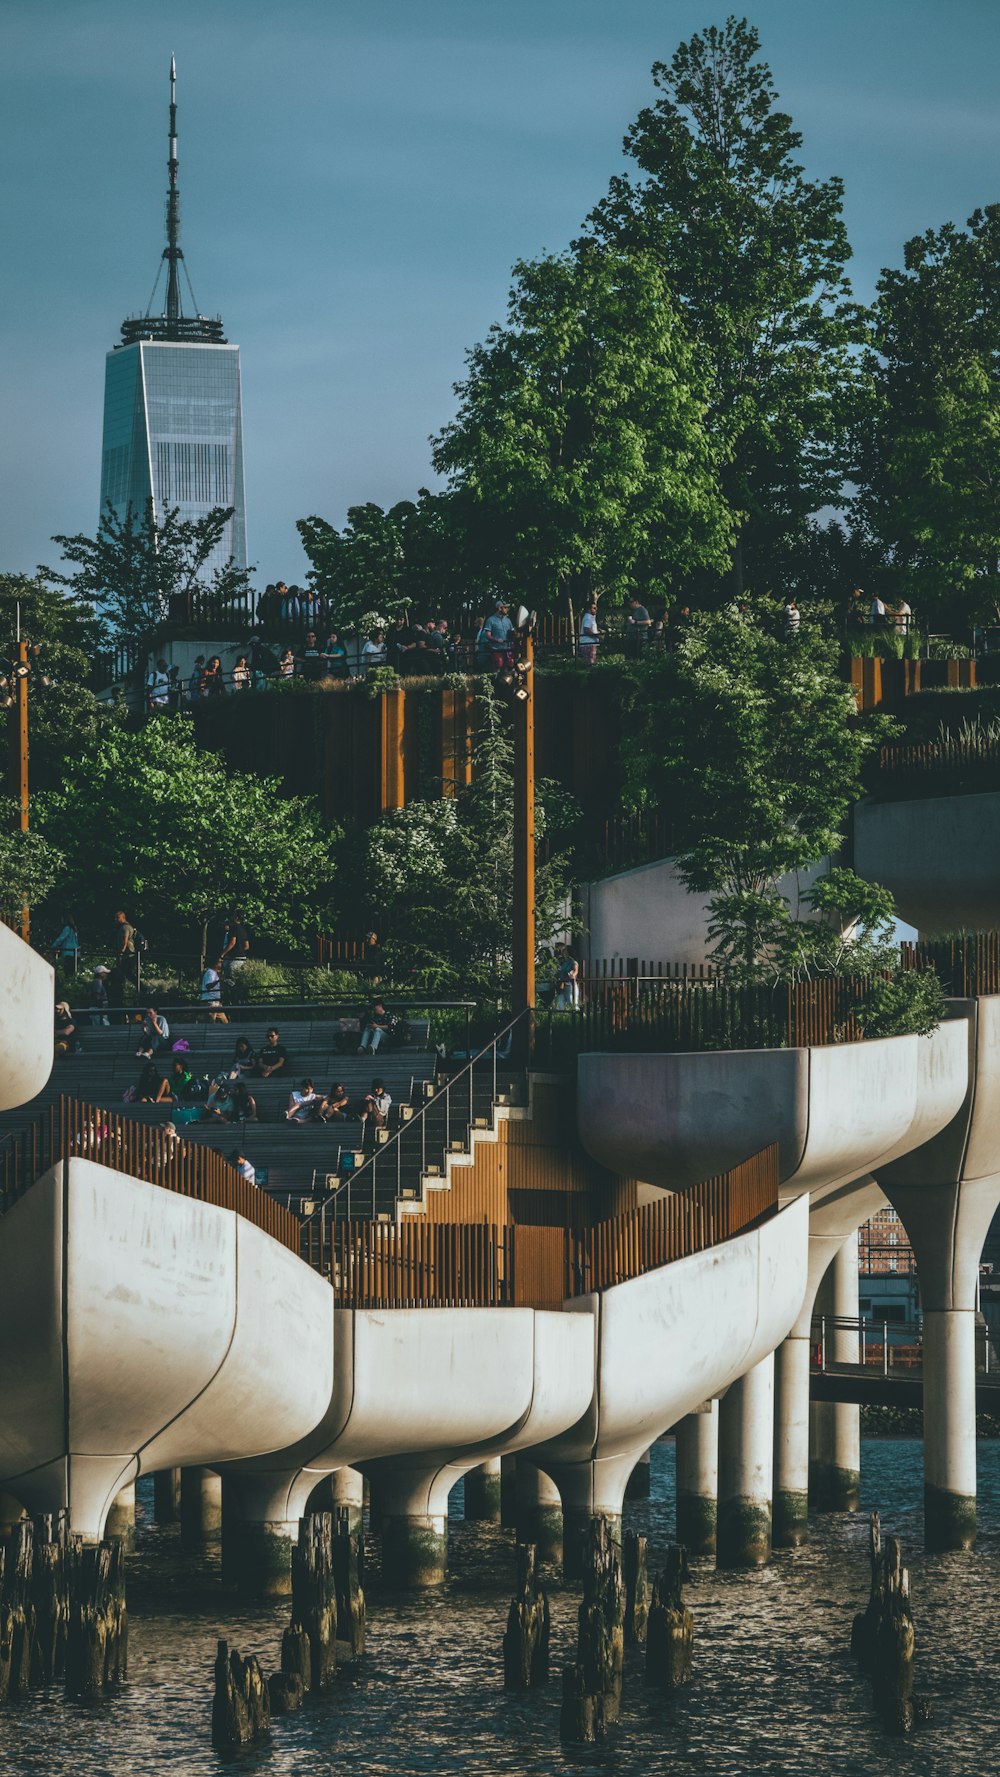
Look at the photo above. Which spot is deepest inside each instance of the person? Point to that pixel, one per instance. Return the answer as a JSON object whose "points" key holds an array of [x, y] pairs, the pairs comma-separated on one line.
{"points": [[589, 634], [335, 657], [183, 1085], [227, 1098], [902, 617], [272, 1056], [155, 1033], [374, 651], [215, 679], [243, 1166], [236, 948], [151, 1087], [876, 613], [196, 681], [567, 980], [286, 665], [244, 1103], [336, 1105], [123, 941], [376, 1105], [497, 631], [310, 662], [210, 993], [66, 945], [302, 1103], [65, 1030], [158, 687], [638, 624], [376, 1025], [99, 994], [241, 675], [793, 619], [855, 618], [268, 608], [244, 1062]]}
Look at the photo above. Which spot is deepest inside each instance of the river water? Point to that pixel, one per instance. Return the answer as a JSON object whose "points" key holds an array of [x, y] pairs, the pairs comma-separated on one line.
{"points": [[775, 1692]]}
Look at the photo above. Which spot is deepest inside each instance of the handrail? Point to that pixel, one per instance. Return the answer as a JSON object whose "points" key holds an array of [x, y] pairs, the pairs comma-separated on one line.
{"points": [[391, 1151], [76, 1130]]}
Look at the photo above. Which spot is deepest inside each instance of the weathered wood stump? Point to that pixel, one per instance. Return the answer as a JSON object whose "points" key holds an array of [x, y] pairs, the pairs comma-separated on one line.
{"points": [[50, 1597], [526, 1638], [97, 1626], [636, 1588], [309, 1645], [348, 1576], [670, 1636], [17, 1617], [285, 1692], [883, 1638], [240, 1707], [592, 1685]]}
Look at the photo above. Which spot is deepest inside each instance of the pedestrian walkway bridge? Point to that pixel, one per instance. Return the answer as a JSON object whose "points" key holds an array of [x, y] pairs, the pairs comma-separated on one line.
{"points": [[881, 1363]]}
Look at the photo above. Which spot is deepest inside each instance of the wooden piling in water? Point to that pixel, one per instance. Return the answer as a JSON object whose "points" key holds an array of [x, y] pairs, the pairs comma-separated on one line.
{"points": [[97, 1626], [636, 1588], [883, 1638], [348, 1577], [526, 1638], [240, 1707], [309, 1644], [670, 1635], [592, 1683]]}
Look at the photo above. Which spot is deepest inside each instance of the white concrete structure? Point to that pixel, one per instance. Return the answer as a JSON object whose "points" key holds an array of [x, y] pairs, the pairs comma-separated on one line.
{"points": [[27, 991], [142, 1330], [649, 913], [939, 855]]}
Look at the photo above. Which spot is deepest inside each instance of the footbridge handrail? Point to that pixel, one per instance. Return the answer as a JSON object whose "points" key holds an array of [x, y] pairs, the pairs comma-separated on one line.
{"points": [[418, 1264], [73, 1129]]}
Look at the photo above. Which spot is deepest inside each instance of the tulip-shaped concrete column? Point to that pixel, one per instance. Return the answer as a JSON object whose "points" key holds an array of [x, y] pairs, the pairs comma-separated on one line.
{"points": [[746, 1455], [539, 1516], [697, 1441], [835, 1432]]}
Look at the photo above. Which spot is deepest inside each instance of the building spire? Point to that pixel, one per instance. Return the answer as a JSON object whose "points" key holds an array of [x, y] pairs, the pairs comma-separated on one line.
{"points": [[172, 252]]}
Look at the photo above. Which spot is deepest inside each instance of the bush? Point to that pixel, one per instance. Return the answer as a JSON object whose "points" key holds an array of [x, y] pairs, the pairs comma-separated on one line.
{"points": [[908, 1003]]}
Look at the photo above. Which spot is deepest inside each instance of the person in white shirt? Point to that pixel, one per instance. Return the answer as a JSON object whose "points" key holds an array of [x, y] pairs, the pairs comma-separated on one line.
{"points": [[243, 1166], [901, 618], [376, 1105], [876, 614], [302, 1103], [374, 652], [158, 687], [211, 993], [589, 634], [793, 618]]}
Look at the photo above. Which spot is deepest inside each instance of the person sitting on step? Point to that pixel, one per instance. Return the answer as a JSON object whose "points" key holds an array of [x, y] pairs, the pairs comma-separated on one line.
{"points": [[302, 1103], [336, 1105], [376, 1106]]}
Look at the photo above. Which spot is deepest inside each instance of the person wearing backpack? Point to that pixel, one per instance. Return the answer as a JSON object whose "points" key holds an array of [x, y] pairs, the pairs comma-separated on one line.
{"points": [[123, 944]]}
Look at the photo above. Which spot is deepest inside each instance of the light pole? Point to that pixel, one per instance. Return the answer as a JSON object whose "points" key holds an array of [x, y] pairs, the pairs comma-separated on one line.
{"points": [[14, 676], [523, 947]]}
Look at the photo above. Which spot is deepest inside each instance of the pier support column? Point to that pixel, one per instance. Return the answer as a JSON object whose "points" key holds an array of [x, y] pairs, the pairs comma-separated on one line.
{"points": [[746, 1456], [167, 1495], [413, 1503], [589, 1490], [120, 1520], [835, 1435], [539, 1512], [341, 1490], [697, 1440], [258, 1534], [790, 1526], [201, 1508], [482, 1492], [637, 1486]]}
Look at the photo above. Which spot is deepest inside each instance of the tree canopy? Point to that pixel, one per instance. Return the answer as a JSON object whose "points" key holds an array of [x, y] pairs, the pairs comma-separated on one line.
{"points": [[383, 562], [64, 713]]}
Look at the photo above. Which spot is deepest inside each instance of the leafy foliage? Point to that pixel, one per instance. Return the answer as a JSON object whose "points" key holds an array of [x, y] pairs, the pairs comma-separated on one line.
{"points": [[754, 253], [149, 823], [580, 453], [63, 713], [384, 561], [29, 865], [133, 568]]}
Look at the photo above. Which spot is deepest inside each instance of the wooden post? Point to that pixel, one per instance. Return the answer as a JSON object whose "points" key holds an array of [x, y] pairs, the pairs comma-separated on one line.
{"points": [[882, 1638], [392, 708], [592, 1684], [348, 1579], [524, 852], [309, 1645], [526, 1639], [240, 1708], [671, 1626], [636, 1587], [97, 1633]]}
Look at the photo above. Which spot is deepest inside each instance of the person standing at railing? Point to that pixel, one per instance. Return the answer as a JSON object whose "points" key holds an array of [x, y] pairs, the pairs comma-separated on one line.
{"points": [[158, 688], [902, 618], [567, 996], [240, 676], [286, 665], [334, 657], [65, 947], [196, 680], [243, 1166], [215, 679], [589, 634], [638, 624]]}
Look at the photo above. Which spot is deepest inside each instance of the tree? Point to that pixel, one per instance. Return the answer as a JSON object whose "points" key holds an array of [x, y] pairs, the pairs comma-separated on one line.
{"points": [[63, 713], [754, 254], [580, 450], [29, 865], [930, 485], [148, 822], [382, 562], [135, 567], [442, 871], [753, 745]]}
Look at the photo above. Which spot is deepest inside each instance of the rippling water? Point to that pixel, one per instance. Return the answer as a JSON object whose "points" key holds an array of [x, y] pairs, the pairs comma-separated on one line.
{"points": [[775, 1691]]}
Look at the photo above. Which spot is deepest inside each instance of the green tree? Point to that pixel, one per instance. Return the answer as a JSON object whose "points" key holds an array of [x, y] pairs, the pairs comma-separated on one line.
{"points": [[135, 567], [383, 562], [753, 745], [149, 823], [442, 872], [930, 485], [63, 712], [580, 451], [754, 254], [29, 866]]}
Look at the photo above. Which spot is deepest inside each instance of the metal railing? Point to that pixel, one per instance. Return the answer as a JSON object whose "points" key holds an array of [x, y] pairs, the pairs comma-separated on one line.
{"points": [[73, 1129], [869, 1344]]}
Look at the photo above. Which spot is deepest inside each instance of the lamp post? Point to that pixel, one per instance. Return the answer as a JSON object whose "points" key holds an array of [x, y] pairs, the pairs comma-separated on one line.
{"points": [[14, 676], [524, 835]]}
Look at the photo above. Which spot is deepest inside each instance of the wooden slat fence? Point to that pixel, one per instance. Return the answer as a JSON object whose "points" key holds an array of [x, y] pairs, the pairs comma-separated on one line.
{"points": [[420, 1265], [966, 966], [74, 1129], [953, 765]]}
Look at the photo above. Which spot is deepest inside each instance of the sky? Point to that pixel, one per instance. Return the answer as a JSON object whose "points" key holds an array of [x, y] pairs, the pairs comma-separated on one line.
{"points": [[358, 177]]}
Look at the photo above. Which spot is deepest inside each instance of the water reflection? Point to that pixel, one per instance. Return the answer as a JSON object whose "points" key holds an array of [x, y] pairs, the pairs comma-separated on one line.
{"points": [[775, 1694]]}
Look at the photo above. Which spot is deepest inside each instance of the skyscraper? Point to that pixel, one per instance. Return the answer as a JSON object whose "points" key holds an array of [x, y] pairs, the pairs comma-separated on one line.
{"points": [[173, 420]]}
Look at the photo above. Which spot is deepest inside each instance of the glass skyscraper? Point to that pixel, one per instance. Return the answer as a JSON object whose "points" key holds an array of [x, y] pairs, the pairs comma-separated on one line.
{"points": [[173, 421]]}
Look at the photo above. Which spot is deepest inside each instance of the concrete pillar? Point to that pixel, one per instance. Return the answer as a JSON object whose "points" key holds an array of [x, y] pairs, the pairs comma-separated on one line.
{"points": [[257, 1536], [342, 1490], [414, 1549], [201, 1508], [637, 1486], [482, 1492], [835, 1433], [697, 1441], [167, 1495], [589, 1490], [539, 1512], [508, 1491], [120, 1520], [746, 1456], [949, 1428], [790, 1525]]}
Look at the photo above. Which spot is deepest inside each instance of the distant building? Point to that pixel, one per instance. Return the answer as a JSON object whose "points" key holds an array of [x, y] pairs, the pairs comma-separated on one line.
{"points": [[173, 420], [884, 1247]]}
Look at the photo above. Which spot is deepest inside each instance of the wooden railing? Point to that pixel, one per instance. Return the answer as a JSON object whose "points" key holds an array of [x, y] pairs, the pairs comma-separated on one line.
{"points": [[955, 766], [417, 1264], [75, 1130], [966, 966], [646, 1012]]}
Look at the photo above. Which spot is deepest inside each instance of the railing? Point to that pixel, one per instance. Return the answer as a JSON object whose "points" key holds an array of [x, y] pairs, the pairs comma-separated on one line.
{"points": [[342, 1019], [416, 1264], [939, 768], [647, 1013], [629, 840], [966, 966], [75, 1130]]}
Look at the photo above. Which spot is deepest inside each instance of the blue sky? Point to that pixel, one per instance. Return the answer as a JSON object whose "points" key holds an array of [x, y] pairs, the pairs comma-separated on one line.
{"points": [[357, 177]]}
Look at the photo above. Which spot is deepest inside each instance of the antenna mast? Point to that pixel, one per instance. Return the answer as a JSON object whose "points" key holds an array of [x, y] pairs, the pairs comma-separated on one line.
{"points": [[172, 252]]}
